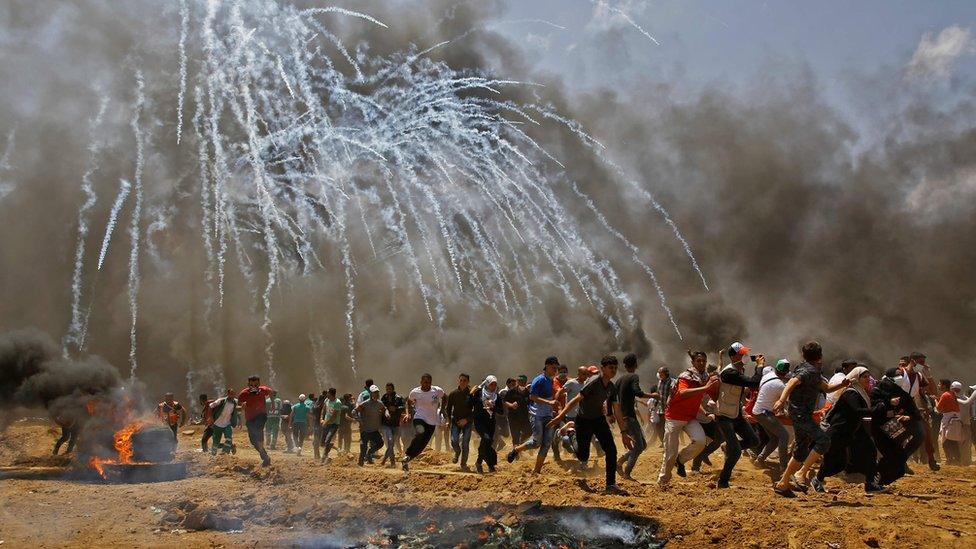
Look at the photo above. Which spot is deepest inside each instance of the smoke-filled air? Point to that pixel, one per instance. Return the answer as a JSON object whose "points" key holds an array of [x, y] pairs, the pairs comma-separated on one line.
{"points": [[200, 190]]}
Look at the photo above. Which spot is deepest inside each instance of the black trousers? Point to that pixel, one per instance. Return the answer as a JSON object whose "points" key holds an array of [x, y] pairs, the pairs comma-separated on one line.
{"points": [[486, 448], [586, 429], [207, 435], [369, 444], [423, 433], [520, 430], [68, 435]]}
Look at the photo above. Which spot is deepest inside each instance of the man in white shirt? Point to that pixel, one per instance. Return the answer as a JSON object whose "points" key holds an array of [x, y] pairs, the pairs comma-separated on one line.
{"points": [[770, 389], [224, 412], [839, 375], [424, 406]]}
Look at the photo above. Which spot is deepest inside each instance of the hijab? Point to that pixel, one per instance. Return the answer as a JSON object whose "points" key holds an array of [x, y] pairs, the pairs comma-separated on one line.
{"points": [[855, 374], [487, 395]]}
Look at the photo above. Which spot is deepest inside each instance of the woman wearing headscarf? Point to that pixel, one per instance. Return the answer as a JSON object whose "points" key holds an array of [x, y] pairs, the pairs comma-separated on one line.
{"points": [[898, 432], [851, 447], [487, 405]]}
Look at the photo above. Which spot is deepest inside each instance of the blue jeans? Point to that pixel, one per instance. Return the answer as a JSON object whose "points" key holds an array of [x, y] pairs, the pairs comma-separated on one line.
{"points": [[461, 440], [778, 437], [541, 435], [390, 436]]}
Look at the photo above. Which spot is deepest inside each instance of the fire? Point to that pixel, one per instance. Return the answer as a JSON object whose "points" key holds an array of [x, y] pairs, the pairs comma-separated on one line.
{"points": [[122, 441]]}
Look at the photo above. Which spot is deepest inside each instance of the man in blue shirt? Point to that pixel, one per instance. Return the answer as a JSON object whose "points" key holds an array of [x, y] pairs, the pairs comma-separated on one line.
{"points": [[541, 404]]}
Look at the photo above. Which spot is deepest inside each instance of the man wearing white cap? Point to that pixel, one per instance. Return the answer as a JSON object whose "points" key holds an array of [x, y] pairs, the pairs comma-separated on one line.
{"points": [[371, 412], [731, 395], [299, 422]]}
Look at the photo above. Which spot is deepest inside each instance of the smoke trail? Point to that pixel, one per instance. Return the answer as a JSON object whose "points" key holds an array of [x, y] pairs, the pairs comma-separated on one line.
{"points": [[184, 28], [134, 228], [113, 216], [602, 4], [77, 326]]}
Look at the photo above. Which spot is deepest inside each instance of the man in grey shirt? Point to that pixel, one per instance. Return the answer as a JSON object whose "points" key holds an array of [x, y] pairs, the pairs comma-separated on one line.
{"points": [[371, 413]]}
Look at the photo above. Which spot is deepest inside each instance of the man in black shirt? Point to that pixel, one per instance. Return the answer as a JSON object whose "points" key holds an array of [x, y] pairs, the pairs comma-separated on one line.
{"points": [[395, 406], [516, 399], [802, 393], [597, 398], [458, 411], [628, 390]]}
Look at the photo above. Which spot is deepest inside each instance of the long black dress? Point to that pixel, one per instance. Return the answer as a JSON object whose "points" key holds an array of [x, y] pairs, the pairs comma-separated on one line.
{"points": [[851, 446], [484, 425], [894, 452]]}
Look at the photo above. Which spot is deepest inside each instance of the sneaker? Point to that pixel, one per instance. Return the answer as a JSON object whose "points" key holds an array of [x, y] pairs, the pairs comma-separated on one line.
{"points": [[512, 455], [457, 456], [405, 463], [818, 485], [722, 484], [680, 469], [491, 468], [934, 465], [479, 468], [615, 490], [298, 451], [872, 488], [361, 461]]}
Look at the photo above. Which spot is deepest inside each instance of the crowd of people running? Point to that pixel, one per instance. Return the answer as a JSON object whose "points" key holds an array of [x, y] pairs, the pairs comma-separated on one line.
{"points": [[805, 422]]}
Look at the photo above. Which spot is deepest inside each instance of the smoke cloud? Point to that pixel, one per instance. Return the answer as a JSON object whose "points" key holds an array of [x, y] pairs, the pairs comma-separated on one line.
{"points": [[33, 375], [802, 229]]}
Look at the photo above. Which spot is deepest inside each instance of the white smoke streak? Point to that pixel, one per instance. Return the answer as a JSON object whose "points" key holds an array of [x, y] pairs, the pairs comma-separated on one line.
{"points": [[113, 216]]}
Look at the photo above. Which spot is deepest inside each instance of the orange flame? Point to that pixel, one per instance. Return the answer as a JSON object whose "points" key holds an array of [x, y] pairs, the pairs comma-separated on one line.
{"points": [[122, 441]]}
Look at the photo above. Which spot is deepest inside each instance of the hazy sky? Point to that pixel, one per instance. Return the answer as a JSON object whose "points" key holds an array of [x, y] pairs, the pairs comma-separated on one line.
{"points": [[729, 42]]}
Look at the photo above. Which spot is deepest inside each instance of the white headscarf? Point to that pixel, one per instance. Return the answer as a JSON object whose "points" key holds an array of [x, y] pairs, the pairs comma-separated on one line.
{"points": [[856, 385], [488, 395]]}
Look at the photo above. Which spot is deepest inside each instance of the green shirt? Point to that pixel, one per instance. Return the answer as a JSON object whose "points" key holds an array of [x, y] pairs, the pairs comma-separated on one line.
{"points": [[333, 412]]}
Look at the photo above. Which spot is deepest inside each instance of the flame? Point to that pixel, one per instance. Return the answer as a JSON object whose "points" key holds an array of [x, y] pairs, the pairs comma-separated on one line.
{"points": [[96, 464], [122, 441]]}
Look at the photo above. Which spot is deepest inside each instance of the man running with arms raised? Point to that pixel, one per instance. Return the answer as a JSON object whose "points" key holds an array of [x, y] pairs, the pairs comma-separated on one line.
{"points": [[252, 399]]}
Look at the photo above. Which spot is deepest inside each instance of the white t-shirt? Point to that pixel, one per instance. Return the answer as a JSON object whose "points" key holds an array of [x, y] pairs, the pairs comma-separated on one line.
{"points": [[225, 414], [427, 404], [837, 378], [770, 389]]}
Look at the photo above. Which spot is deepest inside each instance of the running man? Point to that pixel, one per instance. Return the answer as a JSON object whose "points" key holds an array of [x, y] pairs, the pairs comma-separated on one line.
{"points": [[171, 412], [597, 401], [628, 387], [424, 405], [331, 419], [252, 399], [541, 403], [223, 412], [371, 412]]}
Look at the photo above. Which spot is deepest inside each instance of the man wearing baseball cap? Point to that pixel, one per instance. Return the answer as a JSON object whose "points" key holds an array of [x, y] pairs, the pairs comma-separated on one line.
{"points": [[371, 412], [729, 418]]}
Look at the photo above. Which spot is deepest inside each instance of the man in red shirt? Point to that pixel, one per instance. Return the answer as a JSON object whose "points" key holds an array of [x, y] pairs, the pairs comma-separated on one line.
{"points": [[255, 414], [681, 415]]}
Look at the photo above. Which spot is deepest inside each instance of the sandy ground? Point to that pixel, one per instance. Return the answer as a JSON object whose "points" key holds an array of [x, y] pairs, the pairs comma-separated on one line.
{"points": [[298, 502]]}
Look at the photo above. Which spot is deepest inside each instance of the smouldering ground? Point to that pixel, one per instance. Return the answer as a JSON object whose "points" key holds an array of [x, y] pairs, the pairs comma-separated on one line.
{"points": [[298, 502]]}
